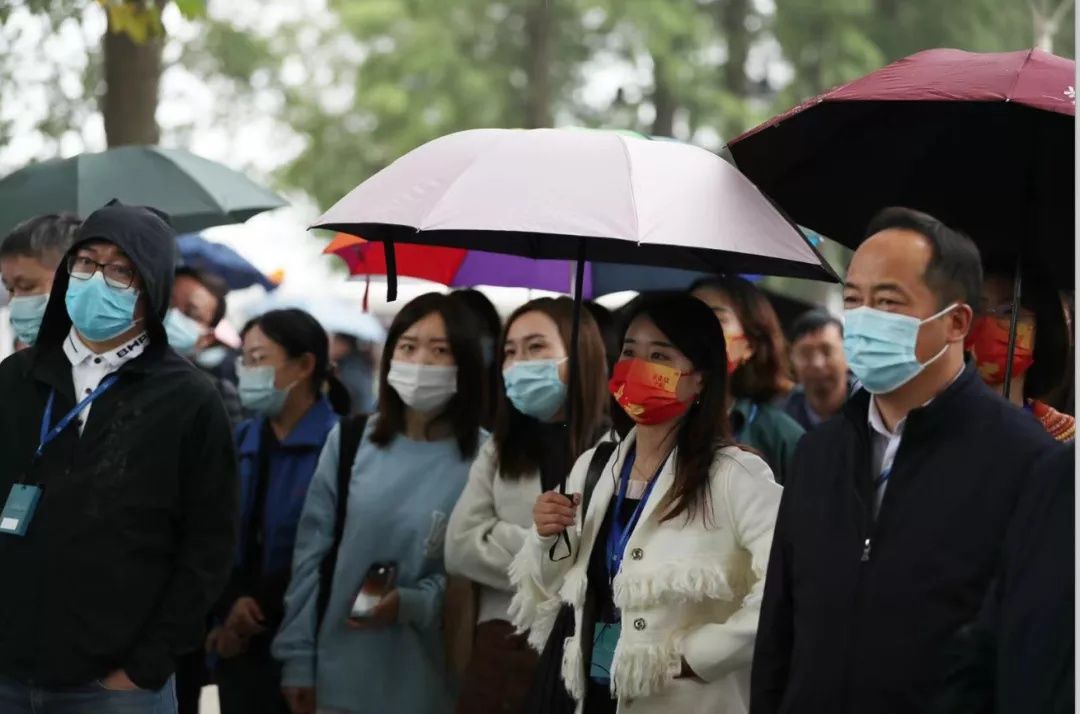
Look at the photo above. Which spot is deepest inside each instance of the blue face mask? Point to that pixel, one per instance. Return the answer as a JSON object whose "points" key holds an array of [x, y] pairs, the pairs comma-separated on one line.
{"points": [[100, 312], [27, 312], [534, 387], [183, 332], [880, 347], [257, 390], [211, 357]]}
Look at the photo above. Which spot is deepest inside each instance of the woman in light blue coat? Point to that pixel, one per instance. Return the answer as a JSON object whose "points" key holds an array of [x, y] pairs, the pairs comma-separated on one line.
{"points": [[411, 465]]}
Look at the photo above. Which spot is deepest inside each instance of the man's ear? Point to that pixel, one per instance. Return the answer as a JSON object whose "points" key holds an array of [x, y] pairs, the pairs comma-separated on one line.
{"points": [[958, 323]]}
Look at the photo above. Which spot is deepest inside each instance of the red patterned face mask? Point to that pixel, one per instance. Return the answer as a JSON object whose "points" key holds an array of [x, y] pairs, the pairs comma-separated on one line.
{"points": [[646, 391], [988, 341]]}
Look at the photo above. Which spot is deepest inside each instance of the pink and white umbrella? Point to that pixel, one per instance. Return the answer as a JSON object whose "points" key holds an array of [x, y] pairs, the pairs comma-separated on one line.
{"points": [[576, 194], [571, 194]]}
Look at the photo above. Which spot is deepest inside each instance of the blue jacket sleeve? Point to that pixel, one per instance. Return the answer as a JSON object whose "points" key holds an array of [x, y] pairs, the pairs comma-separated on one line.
{"points": [[296, 642]]}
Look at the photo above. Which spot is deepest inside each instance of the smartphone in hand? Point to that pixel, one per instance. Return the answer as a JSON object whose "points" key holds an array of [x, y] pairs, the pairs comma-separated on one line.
{"points": [[378, 581]]}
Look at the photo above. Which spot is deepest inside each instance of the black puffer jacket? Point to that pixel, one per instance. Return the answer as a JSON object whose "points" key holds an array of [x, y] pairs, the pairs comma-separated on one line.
{"points": [[851, 629], [134, 533]]}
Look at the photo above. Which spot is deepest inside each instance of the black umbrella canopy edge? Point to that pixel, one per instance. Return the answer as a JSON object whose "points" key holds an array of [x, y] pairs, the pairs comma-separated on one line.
{"points": [[543, 246]]}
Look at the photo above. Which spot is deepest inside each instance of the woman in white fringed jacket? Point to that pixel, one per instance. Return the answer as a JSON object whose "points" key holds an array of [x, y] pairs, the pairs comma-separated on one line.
{"points": [[666, 570]]}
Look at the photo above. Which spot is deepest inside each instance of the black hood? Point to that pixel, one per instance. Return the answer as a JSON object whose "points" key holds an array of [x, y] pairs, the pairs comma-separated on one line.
{"points": [[146, 237]]}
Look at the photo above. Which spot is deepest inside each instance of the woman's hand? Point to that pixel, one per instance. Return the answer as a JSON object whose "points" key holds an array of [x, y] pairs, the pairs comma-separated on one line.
{"points": [[301, 700], [384, 613], [246, 617], [687, 671], [554, 513], [225, 642]]}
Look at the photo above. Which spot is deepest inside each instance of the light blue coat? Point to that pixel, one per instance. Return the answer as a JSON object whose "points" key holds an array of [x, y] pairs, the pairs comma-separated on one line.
{"points": [[400, 498]]}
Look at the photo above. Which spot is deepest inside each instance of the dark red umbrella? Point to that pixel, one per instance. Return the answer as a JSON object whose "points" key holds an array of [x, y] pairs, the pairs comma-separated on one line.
{"points": [[982, 141]]}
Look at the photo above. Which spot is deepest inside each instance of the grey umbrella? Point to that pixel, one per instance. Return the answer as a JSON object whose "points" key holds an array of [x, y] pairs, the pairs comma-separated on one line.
{"points": [[196, 193]]}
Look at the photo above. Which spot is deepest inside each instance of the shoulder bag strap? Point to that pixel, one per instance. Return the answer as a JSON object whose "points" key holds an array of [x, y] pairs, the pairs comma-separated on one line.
{"points": [[352, 431]]}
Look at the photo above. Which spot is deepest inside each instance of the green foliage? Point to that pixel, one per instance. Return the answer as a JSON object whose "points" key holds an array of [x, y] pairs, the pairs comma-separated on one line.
{"points": [[384, 76], [429, 68]]}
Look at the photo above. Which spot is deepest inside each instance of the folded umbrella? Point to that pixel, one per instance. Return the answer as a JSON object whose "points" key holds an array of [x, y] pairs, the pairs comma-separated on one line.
{"points": [[195, 192]]}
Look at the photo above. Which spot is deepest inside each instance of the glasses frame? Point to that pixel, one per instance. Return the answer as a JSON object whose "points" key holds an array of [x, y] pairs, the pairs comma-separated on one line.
{"points": [[100, 267]]}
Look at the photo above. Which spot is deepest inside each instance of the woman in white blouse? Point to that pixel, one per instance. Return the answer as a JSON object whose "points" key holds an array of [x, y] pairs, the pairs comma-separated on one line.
{"points": [[530, 451], [666, 570]]}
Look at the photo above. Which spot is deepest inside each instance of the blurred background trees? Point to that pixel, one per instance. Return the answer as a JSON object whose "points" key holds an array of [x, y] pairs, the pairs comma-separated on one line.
{"points": [[318, 94]]}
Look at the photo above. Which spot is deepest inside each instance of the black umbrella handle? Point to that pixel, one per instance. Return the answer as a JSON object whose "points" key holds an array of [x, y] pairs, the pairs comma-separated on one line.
{"points": [[391, 269], [572, 385]]}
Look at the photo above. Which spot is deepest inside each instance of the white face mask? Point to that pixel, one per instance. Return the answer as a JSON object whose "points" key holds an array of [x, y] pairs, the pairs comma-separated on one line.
{"points": [[423, 387]]}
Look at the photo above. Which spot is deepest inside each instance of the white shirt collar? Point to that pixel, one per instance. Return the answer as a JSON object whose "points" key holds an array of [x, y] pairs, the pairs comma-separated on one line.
{"points": [[78, 353]]}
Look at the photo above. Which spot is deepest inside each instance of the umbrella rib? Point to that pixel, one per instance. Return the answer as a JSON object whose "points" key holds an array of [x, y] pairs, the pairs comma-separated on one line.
{"points": [[213, 205], [630, 181], [449, 186], [1020, 71]]}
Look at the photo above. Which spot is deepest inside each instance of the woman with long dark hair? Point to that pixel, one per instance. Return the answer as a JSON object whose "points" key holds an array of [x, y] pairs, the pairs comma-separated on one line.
{"points": [[530, 452], [285, 380], [757, 364], [490, 326], [1042, 357], [363, 614], [665, 570]]}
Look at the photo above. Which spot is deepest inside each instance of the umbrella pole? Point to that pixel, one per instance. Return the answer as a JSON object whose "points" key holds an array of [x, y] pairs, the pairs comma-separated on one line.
{"points": [[1014, 321], [572, 385], [391, 270]]}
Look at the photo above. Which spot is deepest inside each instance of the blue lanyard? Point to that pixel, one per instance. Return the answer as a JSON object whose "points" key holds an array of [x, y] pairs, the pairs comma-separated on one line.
{"points": [[47, 434], [618, 537], [883, 478], [746, 424]]}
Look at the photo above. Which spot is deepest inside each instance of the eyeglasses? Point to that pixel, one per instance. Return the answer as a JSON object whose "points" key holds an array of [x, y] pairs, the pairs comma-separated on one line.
{"points": [[116, 275], [1003, 314]]}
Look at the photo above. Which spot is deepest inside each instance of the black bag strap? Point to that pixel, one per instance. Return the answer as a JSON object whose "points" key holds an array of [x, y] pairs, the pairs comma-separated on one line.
{"points": [[352, 432], [596, 467], [592, 476]]}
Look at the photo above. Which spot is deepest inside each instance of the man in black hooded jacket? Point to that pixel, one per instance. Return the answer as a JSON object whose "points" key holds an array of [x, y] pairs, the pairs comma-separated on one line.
{"points": [[119, 476]]}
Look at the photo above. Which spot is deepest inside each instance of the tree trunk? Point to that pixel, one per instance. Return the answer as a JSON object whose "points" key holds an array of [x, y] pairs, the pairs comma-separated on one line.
{"points": [[733, 15], [1046, 22], [664, 101], [538, 35], [132, 76]]}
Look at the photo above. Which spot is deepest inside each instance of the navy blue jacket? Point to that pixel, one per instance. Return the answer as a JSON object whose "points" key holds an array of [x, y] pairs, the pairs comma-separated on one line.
{"points": [[289, 466], [857, 612]]}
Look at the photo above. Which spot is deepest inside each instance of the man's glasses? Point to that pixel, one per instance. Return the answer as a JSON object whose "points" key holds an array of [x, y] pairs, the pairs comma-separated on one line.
{"points": [[116, 275]]}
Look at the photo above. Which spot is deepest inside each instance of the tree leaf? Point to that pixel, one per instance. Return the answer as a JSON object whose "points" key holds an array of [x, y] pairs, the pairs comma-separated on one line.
{"points": [[191, 9]]}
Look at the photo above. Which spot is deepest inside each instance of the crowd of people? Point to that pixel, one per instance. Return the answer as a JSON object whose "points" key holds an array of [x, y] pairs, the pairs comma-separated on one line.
{"points": [[695, 513]]}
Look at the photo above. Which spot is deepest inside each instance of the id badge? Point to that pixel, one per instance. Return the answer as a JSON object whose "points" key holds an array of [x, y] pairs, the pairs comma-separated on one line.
{"points": [[19, 509], [605, 637]]}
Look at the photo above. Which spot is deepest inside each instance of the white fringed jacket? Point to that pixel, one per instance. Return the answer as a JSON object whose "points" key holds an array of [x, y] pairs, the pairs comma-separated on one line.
{"points": [[689, 588]]}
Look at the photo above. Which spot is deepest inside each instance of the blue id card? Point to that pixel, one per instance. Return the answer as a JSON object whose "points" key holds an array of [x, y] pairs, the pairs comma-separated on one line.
{"points": [[605, 637], [19, 509]]}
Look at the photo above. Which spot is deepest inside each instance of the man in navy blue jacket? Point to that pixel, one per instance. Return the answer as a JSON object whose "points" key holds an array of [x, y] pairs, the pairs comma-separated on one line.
{"points": [[893, 517]]}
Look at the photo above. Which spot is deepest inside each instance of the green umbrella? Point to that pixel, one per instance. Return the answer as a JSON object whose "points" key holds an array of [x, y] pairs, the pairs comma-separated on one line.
{"points": [[196, 193]]}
